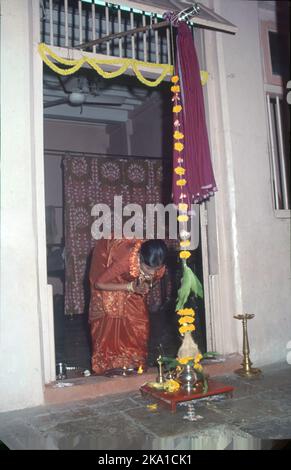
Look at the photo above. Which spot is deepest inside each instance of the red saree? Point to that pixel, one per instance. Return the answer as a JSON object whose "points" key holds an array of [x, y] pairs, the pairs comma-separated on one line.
{"points": [[118, 320]]}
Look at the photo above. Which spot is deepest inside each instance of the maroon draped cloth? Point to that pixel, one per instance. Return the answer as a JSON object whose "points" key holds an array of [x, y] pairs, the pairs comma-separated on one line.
{"points": [[196, 154]]}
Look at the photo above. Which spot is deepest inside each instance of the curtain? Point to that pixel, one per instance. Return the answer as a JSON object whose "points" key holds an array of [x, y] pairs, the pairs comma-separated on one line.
{"points": [[94, 180]]}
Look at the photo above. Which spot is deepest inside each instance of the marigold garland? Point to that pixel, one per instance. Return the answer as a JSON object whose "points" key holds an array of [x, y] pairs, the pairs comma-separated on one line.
{"points": [[187, 315], [74, 65]]}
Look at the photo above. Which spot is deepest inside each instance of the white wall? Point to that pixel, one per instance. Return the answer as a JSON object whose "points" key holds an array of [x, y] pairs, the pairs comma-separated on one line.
{"points": [[254, 245], [21, 369]]}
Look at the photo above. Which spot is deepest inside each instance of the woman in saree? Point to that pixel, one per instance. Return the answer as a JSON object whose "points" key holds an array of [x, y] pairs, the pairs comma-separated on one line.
{"points": [[121, 274]]}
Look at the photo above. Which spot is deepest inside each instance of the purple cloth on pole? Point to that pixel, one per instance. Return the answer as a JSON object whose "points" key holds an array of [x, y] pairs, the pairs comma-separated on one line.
{"points": [[196, 154]]}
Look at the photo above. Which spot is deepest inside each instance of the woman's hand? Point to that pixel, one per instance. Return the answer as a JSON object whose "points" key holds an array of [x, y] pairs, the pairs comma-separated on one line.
{"points": [[141, 288]]}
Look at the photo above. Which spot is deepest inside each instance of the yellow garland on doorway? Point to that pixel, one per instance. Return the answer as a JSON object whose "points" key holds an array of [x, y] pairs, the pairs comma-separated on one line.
{"points": [[74, 65]]}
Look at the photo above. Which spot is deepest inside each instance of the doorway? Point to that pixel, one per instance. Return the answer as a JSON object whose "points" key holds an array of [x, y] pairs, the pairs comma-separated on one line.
{"points": [[120, 120]]}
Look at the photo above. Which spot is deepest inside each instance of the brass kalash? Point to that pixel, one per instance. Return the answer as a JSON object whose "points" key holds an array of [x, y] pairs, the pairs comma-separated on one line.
{"points": [[247, 370]]}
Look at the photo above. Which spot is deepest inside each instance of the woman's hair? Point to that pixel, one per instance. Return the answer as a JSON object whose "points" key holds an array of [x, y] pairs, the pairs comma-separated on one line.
{"points": [[153, 253]]}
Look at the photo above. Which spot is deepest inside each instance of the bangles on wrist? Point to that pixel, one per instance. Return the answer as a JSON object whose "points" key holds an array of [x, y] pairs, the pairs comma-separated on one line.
{"points": [[130, 287]]}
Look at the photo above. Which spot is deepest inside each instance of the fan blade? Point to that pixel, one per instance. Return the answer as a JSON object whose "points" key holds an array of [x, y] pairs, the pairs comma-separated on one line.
{"points": [[101, 103], [63, 85], [106, 99], [49, 104]]}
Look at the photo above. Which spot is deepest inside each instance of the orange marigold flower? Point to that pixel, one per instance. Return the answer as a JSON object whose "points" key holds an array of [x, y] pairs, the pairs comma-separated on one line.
{"points": [[183, 218], [185, 243], [198, 367], [185, 328], [175, 79], [177, 108], [175, 89], [178, 135], [185, 254], [179, 171], [183, 320], [181, 182]]}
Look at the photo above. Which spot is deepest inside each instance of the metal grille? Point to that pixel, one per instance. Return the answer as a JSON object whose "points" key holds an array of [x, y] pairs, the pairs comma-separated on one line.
{"points": [[68, 23], [279, 134]]}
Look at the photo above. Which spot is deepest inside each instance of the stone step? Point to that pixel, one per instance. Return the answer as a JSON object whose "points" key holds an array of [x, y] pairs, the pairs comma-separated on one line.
{"points": [[86, 388]]}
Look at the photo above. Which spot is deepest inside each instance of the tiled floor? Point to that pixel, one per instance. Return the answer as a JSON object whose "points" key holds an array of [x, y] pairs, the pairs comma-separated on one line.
{"points": [[259, 411]]}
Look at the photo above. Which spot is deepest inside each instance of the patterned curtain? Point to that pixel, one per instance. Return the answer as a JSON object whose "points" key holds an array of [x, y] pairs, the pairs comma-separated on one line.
{"points": [[92, 180]]}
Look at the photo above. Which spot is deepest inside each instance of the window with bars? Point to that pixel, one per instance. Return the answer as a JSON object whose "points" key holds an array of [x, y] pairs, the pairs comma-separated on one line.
{"points": [[68, 23], [279, 139], [276, 60]]}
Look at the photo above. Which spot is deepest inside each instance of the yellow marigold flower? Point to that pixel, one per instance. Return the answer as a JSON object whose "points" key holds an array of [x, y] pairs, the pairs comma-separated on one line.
{"points": [[175, 89], [171, 386], [183, 218], [179, 171], [175, 79], [181, 312], [181, 182], [178, 135], [185, 360], [152, 407], [198, 358], [182, 206], [178, 146], [185, 328], [185, 243], [185, 254], [186, 312], [198, 367], [177, 108], [186, 319]]}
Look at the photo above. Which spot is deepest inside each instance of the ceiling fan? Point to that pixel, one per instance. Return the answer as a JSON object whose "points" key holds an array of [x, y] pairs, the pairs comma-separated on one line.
{"points": [[79, 96]]}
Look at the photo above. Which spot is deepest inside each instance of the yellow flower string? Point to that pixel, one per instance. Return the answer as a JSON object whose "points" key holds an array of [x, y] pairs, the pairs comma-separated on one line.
{"points": [[74, 65], [187, 315]]}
